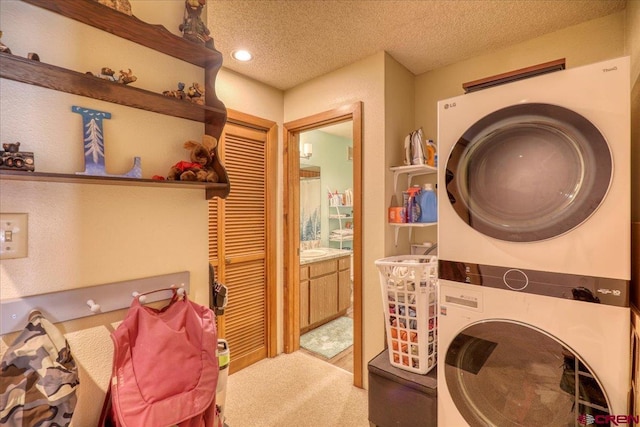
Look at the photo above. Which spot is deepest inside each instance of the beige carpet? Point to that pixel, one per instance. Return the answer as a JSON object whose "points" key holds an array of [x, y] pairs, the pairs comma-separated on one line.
{"points": [[294, 390]]}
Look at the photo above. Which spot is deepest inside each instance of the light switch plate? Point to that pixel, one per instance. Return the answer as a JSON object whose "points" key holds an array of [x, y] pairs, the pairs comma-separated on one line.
{"points": [[13, 235]]}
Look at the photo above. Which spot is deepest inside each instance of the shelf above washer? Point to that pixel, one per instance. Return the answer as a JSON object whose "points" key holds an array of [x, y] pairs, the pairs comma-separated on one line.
{"points": [[410, 226], [411, 171]]}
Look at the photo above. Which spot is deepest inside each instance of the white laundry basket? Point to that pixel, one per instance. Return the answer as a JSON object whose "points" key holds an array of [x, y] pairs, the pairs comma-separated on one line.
{"points": [[409, 296]]}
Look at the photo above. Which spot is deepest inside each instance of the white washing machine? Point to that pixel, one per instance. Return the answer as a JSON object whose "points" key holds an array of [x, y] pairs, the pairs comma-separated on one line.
{"points": [[509, 358], [536, 173], [534, 251]]}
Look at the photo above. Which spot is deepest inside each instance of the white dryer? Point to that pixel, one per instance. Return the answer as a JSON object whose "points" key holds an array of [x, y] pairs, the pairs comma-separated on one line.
{"points": [[534, 251], [510, 358], [536, 173]]}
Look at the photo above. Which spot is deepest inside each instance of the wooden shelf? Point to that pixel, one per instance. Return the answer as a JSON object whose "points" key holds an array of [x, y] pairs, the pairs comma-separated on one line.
{"points": [[211, 189], [52, 77], [155, 37]]}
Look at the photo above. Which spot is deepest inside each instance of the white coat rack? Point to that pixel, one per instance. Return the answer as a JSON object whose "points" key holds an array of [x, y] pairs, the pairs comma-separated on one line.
{"points": [[81, 302]]}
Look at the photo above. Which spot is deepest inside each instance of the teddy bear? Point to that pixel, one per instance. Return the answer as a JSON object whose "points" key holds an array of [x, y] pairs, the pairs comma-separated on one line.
{"points": [[200, 168]]}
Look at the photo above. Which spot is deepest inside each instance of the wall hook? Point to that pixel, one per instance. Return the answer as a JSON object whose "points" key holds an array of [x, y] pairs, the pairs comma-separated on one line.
{"points": [[33, 314], [179, 290], [141, 298], [95, 308]]}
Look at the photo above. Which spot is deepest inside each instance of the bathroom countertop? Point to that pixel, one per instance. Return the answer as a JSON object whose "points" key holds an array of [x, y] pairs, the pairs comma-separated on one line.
{"points": [[330, 253]]}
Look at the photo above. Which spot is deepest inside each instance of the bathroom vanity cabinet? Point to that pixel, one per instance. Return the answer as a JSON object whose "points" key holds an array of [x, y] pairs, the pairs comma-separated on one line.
{"points": [[325, 291]]}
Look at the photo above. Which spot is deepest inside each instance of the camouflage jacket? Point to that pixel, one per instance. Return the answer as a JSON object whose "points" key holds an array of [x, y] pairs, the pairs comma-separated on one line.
{"points": [[38, 378]]}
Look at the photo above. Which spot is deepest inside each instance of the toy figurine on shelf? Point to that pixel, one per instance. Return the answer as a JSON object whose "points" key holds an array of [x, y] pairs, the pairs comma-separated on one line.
{"points": [[107, 73], [4, 48], [14, 159], [126, 77], [195, 94], [192, 27], [176, 93], [200, 166]]}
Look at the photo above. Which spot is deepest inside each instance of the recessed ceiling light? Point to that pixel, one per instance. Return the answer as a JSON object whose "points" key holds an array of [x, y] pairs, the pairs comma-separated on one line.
{"points": [[241, 55]]}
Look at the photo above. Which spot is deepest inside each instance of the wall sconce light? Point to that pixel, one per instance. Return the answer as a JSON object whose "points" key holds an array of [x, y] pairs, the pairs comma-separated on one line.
{"points": [[307, 151]]}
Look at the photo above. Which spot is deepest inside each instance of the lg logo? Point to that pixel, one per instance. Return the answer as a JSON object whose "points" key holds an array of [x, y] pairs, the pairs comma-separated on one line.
{"points": [[447, 106]]}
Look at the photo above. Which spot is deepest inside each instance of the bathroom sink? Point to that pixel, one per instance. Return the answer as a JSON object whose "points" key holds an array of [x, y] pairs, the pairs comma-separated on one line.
{"points": [[312, 253]]}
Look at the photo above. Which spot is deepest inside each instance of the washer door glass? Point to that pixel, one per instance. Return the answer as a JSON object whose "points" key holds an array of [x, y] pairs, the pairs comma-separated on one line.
{"points": [[528, 172], [502, 373]]}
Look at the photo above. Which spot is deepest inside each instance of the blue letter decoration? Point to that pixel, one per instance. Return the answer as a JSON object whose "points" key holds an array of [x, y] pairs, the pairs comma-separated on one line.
{"points": [[93, 140]]}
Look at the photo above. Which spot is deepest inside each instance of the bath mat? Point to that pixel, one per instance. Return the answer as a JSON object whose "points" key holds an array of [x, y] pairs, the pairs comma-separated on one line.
{"points": [[329, 339]]}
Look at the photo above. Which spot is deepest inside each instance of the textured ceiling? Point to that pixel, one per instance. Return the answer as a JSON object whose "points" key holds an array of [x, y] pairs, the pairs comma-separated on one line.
{"points": [[294, 41]]}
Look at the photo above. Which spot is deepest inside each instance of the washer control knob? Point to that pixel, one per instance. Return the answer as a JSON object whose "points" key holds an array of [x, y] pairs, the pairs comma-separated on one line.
{"points": [[515, 279]]}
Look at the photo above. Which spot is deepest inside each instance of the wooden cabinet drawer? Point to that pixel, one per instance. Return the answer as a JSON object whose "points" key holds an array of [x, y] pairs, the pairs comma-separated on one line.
{"points": [[323, 267], [344, 263]]}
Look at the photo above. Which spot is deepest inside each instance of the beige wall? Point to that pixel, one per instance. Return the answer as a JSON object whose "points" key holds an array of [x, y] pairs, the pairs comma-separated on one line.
{"points": [[399, 111], [632, 37], [363, 81]]}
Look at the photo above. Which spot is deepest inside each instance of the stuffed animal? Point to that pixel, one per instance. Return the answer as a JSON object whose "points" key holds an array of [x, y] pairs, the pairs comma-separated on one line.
{"points": [[195, 94], [200, 168], [126, 77], [176, 93]]}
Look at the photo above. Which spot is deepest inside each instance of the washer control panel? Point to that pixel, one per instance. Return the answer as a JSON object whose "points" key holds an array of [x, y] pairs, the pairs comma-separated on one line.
{"points": [[558, 285], [515, 279]]}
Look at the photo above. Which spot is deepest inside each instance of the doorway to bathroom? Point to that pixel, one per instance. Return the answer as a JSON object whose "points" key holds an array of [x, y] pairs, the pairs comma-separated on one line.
{"points": [[322, 231]]}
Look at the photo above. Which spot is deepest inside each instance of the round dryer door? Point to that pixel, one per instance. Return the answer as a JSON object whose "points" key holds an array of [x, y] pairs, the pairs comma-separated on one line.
{"points": [[528, 172], [502, 373]]}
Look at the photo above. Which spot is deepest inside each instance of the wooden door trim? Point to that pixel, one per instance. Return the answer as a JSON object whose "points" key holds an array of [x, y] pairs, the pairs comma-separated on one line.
{"points": [[291, 162], [271, 157]]}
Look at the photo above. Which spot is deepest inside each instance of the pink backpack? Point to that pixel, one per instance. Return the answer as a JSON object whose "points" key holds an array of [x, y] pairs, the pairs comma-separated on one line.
{"points": [[165, 368]]}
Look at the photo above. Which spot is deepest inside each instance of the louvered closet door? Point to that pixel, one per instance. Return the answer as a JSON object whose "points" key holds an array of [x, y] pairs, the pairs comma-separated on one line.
{"points": [[238, 242]]}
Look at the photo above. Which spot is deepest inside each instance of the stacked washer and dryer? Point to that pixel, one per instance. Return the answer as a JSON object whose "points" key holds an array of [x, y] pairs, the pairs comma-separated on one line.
{"points": [[534, 250]]}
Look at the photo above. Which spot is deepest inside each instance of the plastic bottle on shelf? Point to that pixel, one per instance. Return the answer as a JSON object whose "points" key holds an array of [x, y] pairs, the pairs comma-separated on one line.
{"points": [[413, 207], [432, 153], [428, 203]]}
